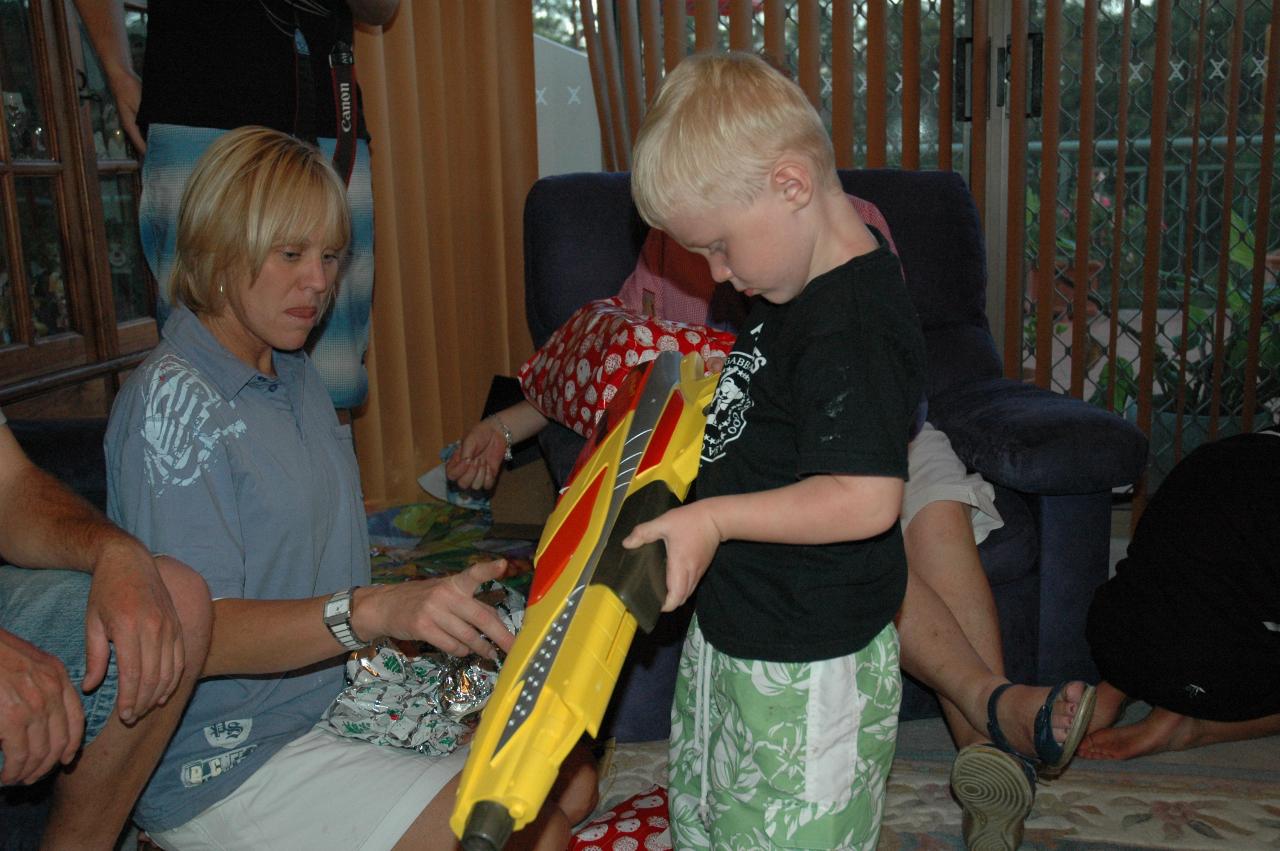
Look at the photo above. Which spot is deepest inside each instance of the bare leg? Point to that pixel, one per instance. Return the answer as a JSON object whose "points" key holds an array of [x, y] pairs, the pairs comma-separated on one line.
{"points": [[942, 554], [571, 800], [1163, 730], [950, 633], [577, 790], [93, 799], [1107, 708]]}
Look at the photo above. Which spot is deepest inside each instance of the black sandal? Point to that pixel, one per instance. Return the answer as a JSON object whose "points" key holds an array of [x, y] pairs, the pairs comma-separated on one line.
{"points": [[1050, 755]]}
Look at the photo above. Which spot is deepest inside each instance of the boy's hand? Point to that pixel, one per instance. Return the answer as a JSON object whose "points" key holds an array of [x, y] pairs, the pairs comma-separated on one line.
{"points": [[691, 537]]}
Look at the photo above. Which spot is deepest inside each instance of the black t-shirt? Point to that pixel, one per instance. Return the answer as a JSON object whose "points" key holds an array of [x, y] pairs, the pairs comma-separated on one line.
{"points": [[827, 383], [228, 63]]}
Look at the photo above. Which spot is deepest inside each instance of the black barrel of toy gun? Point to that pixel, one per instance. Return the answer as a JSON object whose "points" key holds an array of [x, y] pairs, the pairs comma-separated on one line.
{"points": [[488, 827]]}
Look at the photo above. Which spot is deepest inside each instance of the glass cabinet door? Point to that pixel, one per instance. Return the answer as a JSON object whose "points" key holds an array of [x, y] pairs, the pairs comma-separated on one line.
{"points": [[76, 299], [44, 321]]}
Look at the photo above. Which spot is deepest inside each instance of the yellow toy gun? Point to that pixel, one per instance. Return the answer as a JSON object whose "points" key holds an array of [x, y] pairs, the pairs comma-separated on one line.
{"points": [[587, 597]]}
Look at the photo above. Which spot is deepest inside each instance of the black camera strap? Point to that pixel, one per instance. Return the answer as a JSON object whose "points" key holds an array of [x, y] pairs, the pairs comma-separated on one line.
{"points": [[346, 97], [342, 70]]}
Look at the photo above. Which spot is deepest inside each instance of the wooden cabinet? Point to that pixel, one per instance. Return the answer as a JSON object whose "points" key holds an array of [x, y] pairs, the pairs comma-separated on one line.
{"points": [[76, 299]]}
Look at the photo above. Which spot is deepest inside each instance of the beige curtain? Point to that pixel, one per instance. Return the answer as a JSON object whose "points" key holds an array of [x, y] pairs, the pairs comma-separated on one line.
{"points": [[449, 98]]}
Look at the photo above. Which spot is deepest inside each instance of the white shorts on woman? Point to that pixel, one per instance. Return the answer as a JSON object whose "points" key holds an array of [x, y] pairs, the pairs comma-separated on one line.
{"points": [[936, 473], [321, 791]]}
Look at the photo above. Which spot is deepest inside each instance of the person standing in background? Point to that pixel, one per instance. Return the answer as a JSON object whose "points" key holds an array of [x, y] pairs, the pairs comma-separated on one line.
{"points": [[284, 64]]}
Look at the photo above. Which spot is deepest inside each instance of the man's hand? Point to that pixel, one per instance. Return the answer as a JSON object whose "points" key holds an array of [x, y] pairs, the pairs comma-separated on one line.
{"points": [[41, 721], [691, 537], [442, 611], [129, 607], [104, 21], [126, 88]]}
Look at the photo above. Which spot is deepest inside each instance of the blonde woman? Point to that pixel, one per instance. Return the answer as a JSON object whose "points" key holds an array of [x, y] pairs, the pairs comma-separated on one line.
{"points": [[224, 449]]}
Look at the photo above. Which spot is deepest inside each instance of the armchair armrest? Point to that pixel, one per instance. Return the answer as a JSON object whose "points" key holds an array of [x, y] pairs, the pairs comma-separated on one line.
{"points": [[1036, 441]]}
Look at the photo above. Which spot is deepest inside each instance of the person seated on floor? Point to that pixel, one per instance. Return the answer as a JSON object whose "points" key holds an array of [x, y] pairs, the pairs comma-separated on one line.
{"points": [[100, 646], [224, 449], [949, 628], [1190, 623]]}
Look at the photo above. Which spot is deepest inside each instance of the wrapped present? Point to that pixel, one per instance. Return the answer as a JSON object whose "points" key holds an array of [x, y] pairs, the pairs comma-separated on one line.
{"points": [[574, 376], [429, 702], [639, 823]]}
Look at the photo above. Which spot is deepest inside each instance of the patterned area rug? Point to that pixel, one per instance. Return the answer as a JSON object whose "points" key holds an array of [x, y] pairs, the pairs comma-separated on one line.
{"points": [[1095, 805], [1213, 798]]}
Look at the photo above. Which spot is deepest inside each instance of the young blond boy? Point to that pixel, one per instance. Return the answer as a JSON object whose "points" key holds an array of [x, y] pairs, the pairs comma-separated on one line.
{"points": [[785, 714]]}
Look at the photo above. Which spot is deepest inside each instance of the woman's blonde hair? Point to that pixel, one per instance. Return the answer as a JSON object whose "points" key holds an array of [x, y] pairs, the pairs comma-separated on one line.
{"points": [[717, 127], [254, 188]]}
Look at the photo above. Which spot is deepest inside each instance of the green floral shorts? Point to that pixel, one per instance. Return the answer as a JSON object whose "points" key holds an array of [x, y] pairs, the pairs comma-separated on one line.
{"points": [[782, 755]]}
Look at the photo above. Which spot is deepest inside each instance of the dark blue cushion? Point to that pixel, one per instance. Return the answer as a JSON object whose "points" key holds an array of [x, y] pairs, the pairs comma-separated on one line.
{"points": [[582, 236], [1037, 441], [959, 354], [936, 228], [1010, 553]]}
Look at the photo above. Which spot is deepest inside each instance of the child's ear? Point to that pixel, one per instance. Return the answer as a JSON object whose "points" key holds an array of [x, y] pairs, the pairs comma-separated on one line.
{"points": [[791, 178]]}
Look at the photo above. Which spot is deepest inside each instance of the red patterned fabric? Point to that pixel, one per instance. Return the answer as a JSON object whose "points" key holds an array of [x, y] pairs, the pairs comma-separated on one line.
{"points": [[574, 376], [637, 824]]}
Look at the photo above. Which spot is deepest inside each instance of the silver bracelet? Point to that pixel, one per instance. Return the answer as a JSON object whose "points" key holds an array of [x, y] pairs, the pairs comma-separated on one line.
{"points": [[506, 435]]}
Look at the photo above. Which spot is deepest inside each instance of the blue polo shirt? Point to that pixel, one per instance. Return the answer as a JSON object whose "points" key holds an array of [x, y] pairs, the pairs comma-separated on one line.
{"points": [[251, 481]]}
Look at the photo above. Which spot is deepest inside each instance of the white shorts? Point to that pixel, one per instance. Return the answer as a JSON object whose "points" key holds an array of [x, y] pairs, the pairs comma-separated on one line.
{"points": [[321, 791], [937, 474]]}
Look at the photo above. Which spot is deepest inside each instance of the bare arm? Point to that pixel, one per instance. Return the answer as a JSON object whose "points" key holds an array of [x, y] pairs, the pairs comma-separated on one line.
{"points": [[815, 510], [104, 20], [45, 525], [275, 636], [478, 460], [57, 528], [373, 12]]}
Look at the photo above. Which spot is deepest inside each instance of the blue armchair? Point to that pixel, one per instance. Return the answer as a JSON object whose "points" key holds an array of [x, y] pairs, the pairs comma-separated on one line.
{"points": [[1053, 460]]}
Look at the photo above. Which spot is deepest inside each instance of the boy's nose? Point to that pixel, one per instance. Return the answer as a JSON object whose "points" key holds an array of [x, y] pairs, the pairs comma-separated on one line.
{"points": [[720, 271]]}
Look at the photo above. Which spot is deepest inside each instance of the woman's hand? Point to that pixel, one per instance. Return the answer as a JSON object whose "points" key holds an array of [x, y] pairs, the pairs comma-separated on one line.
{"points": [[477, 463], [442, 611]]}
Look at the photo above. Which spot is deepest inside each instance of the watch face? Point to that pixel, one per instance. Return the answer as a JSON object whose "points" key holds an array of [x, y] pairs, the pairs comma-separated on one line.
{"points": [[336, 610]]}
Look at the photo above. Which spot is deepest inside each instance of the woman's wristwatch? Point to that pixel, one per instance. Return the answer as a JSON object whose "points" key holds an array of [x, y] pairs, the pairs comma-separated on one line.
{"points": [[337, 616]]}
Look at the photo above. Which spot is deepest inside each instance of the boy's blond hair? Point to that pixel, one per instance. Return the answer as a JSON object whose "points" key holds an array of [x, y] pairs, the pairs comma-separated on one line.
{"points": [[714, 132], [254, 188]]}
